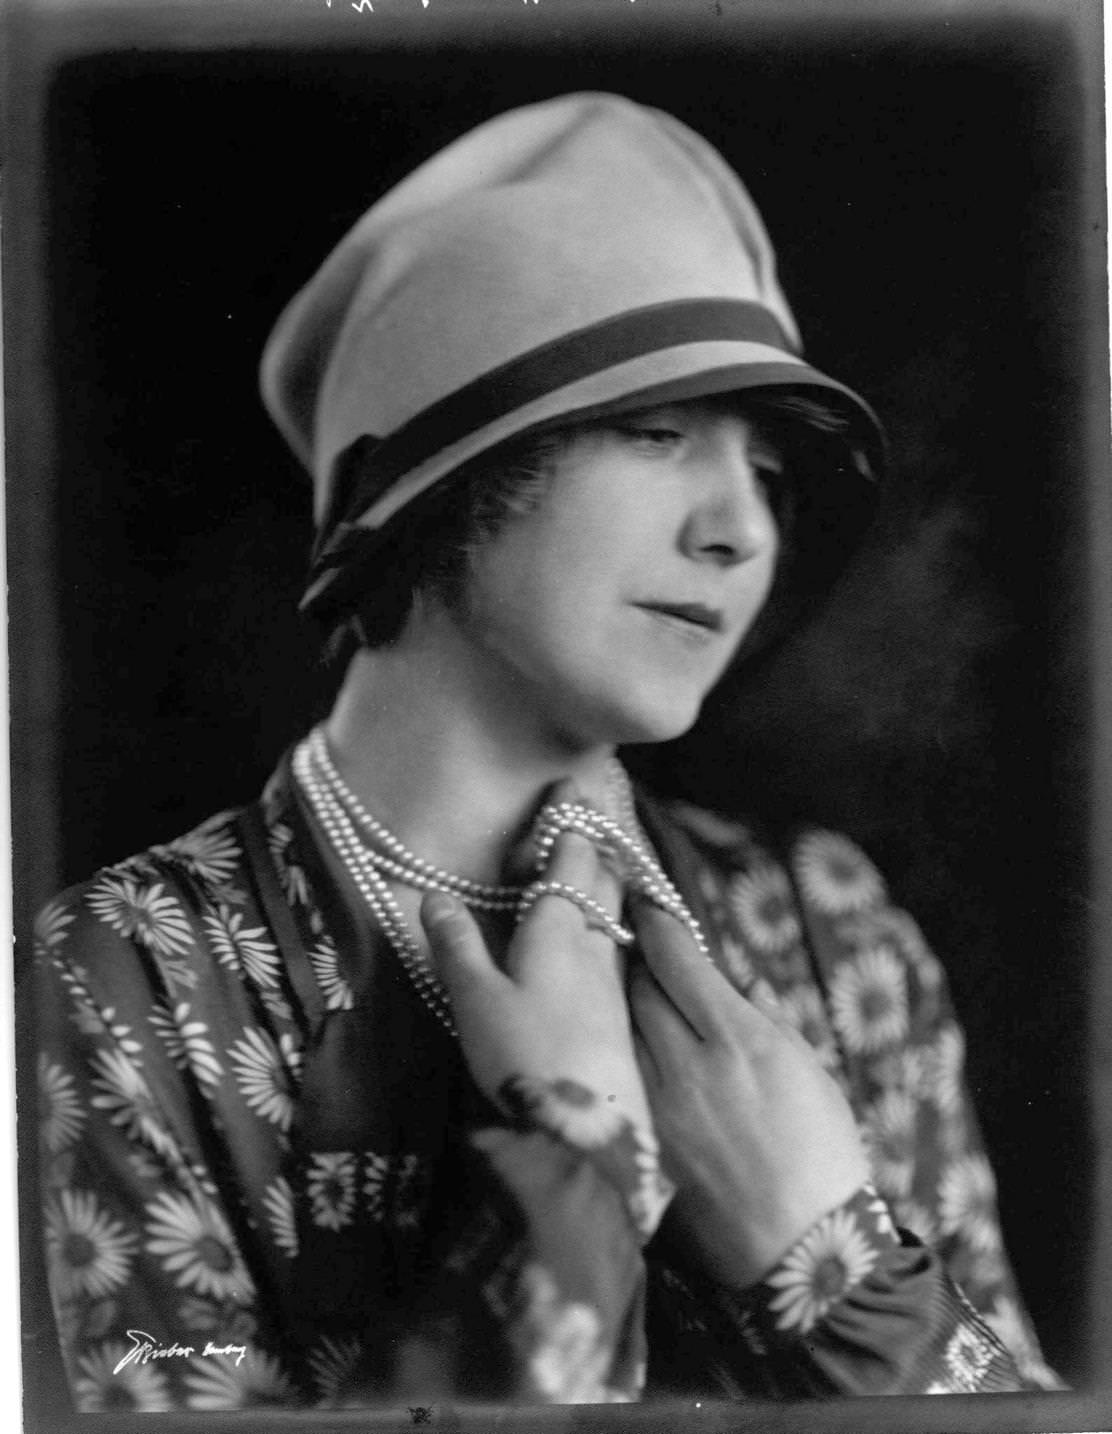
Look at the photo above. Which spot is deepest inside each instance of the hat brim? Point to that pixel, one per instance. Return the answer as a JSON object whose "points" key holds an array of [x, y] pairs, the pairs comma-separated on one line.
{"points": [[692, 370]]}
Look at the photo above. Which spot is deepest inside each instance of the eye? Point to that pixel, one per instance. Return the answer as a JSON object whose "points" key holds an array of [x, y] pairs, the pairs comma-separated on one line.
{"points": [[777, 484], [651, 436], [768, 474], [768, 462]]}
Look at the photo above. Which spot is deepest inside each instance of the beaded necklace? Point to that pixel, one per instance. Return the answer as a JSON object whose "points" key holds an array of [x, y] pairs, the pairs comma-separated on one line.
{"points": [[373, 856]]}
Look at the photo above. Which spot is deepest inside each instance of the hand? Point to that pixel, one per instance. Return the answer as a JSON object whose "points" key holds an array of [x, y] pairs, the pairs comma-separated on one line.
{"points": [[559, 1010], [758, 1138]]}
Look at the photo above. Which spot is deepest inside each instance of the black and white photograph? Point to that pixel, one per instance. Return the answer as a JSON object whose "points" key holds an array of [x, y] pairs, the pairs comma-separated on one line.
{"points": [[559, 566]]}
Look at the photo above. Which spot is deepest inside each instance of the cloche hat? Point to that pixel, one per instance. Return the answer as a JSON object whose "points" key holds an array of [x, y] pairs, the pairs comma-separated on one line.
{"points": [[562, 260]]}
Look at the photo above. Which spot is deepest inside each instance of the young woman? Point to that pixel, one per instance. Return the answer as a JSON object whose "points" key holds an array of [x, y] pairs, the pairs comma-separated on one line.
{"points": [[457, 1067]]}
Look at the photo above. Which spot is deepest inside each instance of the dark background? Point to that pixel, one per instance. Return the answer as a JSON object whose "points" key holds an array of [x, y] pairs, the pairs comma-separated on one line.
{"points": [[930, 190]]}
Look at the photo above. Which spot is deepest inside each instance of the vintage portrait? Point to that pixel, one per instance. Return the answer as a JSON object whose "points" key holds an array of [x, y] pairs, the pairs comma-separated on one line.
{"points": [[559, 590]]}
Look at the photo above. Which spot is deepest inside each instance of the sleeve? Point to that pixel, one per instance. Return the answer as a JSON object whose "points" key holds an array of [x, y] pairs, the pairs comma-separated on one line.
{"points": [[145, 1259], [927, 1152], [857, 1307], [541, 1294], [154, 1264], [907, 1288]]}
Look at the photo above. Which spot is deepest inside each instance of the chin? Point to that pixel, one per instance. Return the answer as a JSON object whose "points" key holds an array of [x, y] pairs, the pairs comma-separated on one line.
{"points": [[649, 724]]}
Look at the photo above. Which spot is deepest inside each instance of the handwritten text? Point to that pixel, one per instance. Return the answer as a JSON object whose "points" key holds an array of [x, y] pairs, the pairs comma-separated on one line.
{"points": [[144, 1347]]}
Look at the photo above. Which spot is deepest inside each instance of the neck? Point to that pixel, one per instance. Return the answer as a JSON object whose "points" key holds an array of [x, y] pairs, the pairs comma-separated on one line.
{"points": [[449, 760]]}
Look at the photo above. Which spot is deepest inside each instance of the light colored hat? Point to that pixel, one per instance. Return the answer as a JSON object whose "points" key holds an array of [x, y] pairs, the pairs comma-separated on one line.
{"points": [[570, 257]]}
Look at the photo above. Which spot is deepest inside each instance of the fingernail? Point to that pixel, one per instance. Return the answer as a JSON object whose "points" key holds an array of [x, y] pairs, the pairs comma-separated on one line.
{"points": [[439, 906]]}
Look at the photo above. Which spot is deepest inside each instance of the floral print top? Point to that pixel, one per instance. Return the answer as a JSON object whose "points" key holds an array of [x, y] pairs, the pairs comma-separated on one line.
{"points": [[268, 1178]]}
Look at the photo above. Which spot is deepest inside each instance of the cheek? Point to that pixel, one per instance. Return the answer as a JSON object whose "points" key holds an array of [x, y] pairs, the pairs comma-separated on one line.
{"points": [[520, 602], [770, 565], [764, 565], [551, 563]]}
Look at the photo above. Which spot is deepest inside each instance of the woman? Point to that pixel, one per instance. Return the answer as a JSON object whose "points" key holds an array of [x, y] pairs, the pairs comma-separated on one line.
{"points": [[456, 1068]]}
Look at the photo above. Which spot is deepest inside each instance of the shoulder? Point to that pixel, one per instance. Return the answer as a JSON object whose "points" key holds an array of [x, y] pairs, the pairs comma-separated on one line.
{"points": [[823, 879], [154, 903], [205, 862], [831, 871], [721, 841]]}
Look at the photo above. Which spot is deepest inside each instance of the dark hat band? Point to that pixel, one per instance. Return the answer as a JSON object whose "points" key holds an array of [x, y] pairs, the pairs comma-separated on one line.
{"points": [[558, 264], [343, 539], [544, 369]]}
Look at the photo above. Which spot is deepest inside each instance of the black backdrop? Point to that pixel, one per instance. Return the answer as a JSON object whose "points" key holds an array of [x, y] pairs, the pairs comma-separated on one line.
{"points": [[926, 186]]}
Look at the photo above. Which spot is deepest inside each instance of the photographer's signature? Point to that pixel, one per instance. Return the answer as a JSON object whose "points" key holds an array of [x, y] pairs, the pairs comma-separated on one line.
{"points": [[144, 1347]]}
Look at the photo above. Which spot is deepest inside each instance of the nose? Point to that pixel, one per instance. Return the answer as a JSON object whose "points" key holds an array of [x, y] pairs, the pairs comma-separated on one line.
{"points": [[730, 519]]}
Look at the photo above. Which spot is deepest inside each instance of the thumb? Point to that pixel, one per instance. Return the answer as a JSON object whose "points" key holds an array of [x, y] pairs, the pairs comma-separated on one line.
{"points": [[459, 953], [476, 988]]}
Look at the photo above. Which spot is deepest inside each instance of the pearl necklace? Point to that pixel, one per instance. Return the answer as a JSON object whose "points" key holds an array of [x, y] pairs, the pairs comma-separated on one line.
{"points": [[372, 886], [348, 826], [396, 859], [643, 872]]}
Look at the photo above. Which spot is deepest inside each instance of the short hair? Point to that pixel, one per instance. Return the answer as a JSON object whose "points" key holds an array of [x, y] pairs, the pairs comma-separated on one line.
{"points": [[428, 549]]}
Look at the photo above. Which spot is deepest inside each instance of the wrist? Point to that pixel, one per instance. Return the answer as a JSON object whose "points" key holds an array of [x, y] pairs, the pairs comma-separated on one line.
{"points": [[738, 1240], [624, 1151]]}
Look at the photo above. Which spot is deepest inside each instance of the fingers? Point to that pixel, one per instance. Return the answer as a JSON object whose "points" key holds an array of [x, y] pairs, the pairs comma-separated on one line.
{"points": [[692, 984], [459, 953], [570, 913], [647, 1063], [574, 861], [561, 792], [767, 1004], [481, 996], [662, 1030], [523, 859], [707, 1000]]}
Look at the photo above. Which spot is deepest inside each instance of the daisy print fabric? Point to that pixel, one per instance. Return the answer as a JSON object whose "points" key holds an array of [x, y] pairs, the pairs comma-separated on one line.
{"points": [[832, 1258], [237, 1211], [854, 976], [267, 1179], [148, 1255], [627, 1156]]}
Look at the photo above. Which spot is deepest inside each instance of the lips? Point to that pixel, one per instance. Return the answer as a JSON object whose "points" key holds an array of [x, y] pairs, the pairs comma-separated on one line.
{"points": [[698, 614]]}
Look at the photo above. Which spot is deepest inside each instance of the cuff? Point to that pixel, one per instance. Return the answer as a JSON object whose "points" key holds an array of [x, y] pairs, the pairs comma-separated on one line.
{"points": [[625, 1154], [856, 1307], [824, 1265]]}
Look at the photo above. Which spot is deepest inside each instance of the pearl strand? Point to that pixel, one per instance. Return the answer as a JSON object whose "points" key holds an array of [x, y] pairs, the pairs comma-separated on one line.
{"points": [[398, 861], [594, 913], [405, 866], [338, 810], [642, 870], [373, 888]]}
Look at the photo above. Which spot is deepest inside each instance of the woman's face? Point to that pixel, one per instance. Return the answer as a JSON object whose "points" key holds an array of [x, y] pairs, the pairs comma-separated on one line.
{"points": [[613, 606]]}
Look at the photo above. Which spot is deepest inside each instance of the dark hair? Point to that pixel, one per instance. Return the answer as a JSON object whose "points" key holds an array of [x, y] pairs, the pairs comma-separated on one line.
{"points": [[429, 546]]}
